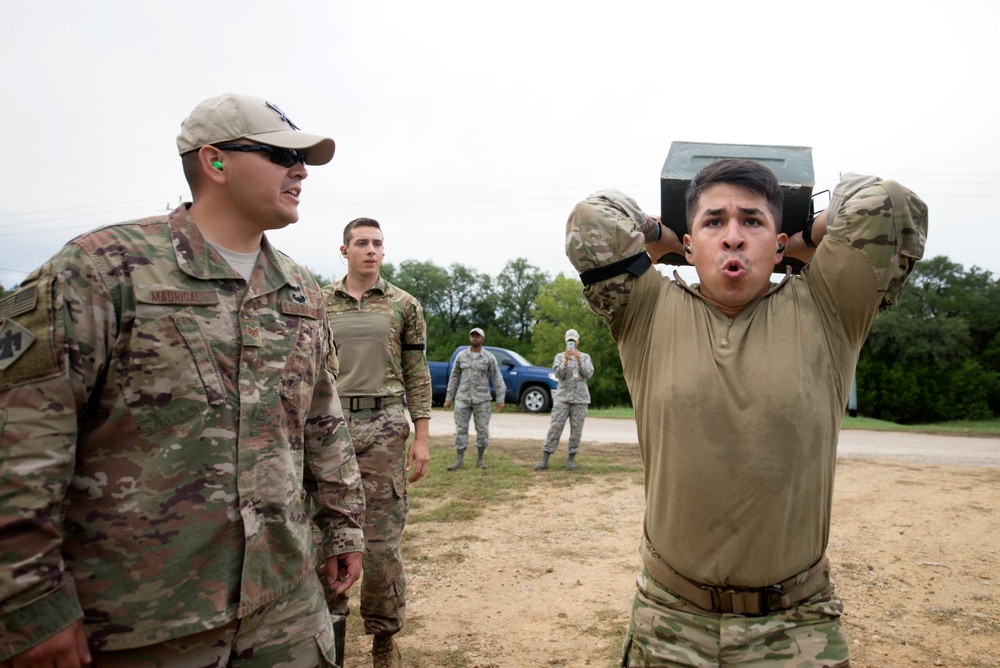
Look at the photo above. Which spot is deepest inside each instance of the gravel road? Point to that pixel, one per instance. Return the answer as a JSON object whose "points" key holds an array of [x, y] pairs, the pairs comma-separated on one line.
{"points": [[854, 443]]}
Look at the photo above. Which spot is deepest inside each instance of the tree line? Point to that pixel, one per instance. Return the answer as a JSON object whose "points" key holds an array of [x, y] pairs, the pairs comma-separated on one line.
{"points": [[935, 356], [522, 308]]}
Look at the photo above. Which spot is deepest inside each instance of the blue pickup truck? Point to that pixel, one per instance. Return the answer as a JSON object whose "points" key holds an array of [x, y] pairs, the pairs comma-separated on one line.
{"points": [[528, 385]]}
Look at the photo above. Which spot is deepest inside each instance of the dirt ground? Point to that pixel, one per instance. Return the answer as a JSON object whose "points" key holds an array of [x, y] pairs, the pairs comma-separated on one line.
{"points": [[548, 579]]}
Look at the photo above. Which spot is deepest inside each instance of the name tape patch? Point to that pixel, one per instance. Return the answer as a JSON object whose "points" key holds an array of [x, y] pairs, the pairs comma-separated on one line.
{"points": [[294, 308], [176, 296]]}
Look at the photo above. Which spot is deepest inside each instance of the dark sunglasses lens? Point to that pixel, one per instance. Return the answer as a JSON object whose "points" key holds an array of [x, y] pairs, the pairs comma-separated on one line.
{"points": [[286, 157]]}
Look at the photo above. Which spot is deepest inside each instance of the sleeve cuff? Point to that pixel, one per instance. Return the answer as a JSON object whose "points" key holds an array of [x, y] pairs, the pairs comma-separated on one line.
{"points": [[42, 618]]}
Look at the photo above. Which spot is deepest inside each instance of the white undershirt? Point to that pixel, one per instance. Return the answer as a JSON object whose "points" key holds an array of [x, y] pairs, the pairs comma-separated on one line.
{"points": [[242, 263]]}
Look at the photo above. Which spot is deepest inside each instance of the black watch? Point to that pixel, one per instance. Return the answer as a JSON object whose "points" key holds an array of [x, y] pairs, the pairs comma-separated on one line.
{"points": [[807, 234]]}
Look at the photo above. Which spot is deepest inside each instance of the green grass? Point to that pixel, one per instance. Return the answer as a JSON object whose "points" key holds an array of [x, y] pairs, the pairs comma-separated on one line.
{"points": [[612, 412], [455, 496], [450, 496], [958, 427]]}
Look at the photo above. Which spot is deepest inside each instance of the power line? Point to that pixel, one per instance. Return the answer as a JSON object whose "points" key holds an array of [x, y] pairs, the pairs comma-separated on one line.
{"points": [[443, 198], [83, 206]]}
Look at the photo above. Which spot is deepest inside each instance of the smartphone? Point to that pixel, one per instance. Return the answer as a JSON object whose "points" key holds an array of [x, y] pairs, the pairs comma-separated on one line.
{"points": [[571, 344]]}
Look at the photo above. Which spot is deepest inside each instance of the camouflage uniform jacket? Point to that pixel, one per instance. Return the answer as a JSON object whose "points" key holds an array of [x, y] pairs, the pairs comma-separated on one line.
{"points": [[470, 378], [406, 370], [161, 423], [572, 377], [738, 417]]}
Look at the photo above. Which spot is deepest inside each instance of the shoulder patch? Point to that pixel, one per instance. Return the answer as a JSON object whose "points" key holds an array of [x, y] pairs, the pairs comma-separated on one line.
{"points": [[20, 302], [29, 343], [14, 342]]}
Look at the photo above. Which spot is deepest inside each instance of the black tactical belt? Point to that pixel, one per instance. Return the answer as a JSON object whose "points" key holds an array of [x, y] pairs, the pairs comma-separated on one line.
{"points": [[355, 404]]}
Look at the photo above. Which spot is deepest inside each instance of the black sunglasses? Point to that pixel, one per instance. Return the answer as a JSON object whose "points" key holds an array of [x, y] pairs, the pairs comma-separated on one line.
{"points": [[286, 157]]}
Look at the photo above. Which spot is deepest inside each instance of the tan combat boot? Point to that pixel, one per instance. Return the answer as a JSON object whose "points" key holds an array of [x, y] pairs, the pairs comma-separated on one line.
{"points": [[385, 653]]}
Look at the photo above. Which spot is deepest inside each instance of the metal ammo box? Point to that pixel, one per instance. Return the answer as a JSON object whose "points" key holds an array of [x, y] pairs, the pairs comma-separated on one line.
{"points": [[792, 165]]}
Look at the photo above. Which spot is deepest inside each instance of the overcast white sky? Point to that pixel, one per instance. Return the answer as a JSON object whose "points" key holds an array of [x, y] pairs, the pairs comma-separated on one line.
{"points": [[470, 129]]}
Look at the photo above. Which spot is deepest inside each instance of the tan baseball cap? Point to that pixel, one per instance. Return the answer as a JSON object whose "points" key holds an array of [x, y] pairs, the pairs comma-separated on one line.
{"points": [[573, 334], [230, 116], [476, 330]]}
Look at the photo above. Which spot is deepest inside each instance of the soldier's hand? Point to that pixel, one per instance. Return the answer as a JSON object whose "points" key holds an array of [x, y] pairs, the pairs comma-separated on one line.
{"points": [[347, 567], [419, 457], [447, 405], [499, 408], [68, 649], [668, 243]]}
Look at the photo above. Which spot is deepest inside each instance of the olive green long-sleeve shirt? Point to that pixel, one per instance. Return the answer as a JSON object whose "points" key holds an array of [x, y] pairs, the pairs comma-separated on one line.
{"points": [[382, 351], [738, 418]]}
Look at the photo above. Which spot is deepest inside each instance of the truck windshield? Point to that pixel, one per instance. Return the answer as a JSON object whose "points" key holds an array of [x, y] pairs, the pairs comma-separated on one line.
{"points": [[502, 354]]}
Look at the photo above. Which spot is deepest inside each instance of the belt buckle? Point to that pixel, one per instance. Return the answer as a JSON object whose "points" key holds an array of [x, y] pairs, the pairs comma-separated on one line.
{"points": [[722, 599], [363, 403], [765, 594]]}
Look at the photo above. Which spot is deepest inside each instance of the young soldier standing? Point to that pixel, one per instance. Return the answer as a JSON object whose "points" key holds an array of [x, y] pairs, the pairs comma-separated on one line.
{"points": [[379, 332]]}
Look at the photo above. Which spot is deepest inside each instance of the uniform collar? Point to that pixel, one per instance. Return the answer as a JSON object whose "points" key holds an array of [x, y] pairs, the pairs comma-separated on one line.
{"points": [[695, 289], [197, 258], [380, 286]]}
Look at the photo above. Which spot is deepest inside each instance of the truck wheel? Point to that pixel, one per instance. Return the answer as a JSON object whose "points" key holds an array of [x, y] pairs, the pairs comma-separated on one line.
{"points": [[536, 400]]}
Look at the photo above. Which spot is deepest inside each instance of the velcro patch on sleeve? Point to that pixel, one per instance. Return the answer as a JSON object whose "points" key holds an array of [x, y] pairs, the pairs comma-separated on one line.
{"points": [[28, 336], [14, 342], [20, 302]]}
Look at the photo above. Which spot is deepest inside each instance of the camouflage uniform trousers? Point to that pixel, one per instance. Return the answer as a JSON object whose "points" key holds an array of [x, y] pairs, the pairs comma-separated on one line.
{"points": [[480, 412], [667, 631], [561, 410], [292, 631], [380, 443]]}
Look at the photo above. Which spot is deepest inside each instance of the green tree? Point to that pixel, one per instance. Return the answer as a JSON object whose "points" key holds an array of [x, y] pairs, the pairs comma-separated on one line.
{"points": [[560, 306], [431, 285], [321, 279], [388, 272], [469, 302], [517, 287], [936, 354]]}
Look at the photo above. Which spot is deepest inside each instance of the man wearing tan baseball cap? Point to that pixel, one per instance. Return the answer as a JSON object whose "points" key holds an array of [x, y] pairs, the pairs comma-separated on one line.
{"points": [[181, 367], [230, 117]]}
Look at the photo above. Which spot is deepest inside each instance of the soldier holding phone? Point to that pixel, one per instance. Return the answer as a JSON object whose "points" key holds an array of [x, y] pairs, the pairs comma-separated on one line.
{"points": [[572, 368]]}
